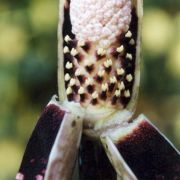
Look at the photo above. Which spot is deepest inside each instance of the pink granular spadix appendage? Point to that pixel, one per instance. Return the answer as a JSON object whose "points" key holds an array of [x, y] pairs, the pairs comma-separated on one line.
{"points": [[100, 21]]}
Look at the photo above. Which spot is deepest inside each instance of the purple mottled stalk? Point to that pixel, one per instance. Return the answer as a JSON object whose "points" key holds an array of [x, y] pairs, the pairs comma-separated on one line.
{"points": [[38, 149]]}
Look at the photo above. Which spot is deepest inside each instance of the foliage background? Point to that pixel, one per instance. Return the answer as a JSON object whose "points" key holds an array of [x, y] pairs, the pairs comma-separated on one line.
{"points": [[28, 63]]}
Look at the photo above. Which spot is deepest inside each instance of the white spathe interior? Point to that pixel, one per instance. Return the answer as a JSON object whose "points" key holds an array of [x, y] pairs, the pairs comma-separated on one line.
{"points": [[101, 116], [98, 118]]}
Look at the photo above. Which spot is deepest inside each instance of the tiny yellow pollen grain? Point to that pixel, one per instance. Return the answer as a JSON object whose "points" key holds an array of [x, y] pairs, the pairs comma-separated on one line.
{"points": [[95, 95], [129, 78], [127, 93], [67, 38], [120, 49], [129, 56], [69, 91], [74, 52], [120, 71], [67, 77], [66, 49], [104, 87], [72, 82], [132, 42], [69, 65], [81, 90], [128, 34]]}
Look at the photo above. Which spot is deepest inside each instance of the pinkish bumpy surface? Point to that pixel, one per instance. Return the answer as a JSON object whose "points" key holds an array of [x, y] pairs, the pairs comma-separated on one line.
{"points": [[100, 21], [100, 52]]}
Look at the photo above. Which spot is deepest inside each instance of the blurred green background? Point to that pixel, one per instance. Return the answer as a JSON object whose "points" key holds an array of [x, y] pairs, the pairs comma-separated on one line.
{"points": [[28, 63]]}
